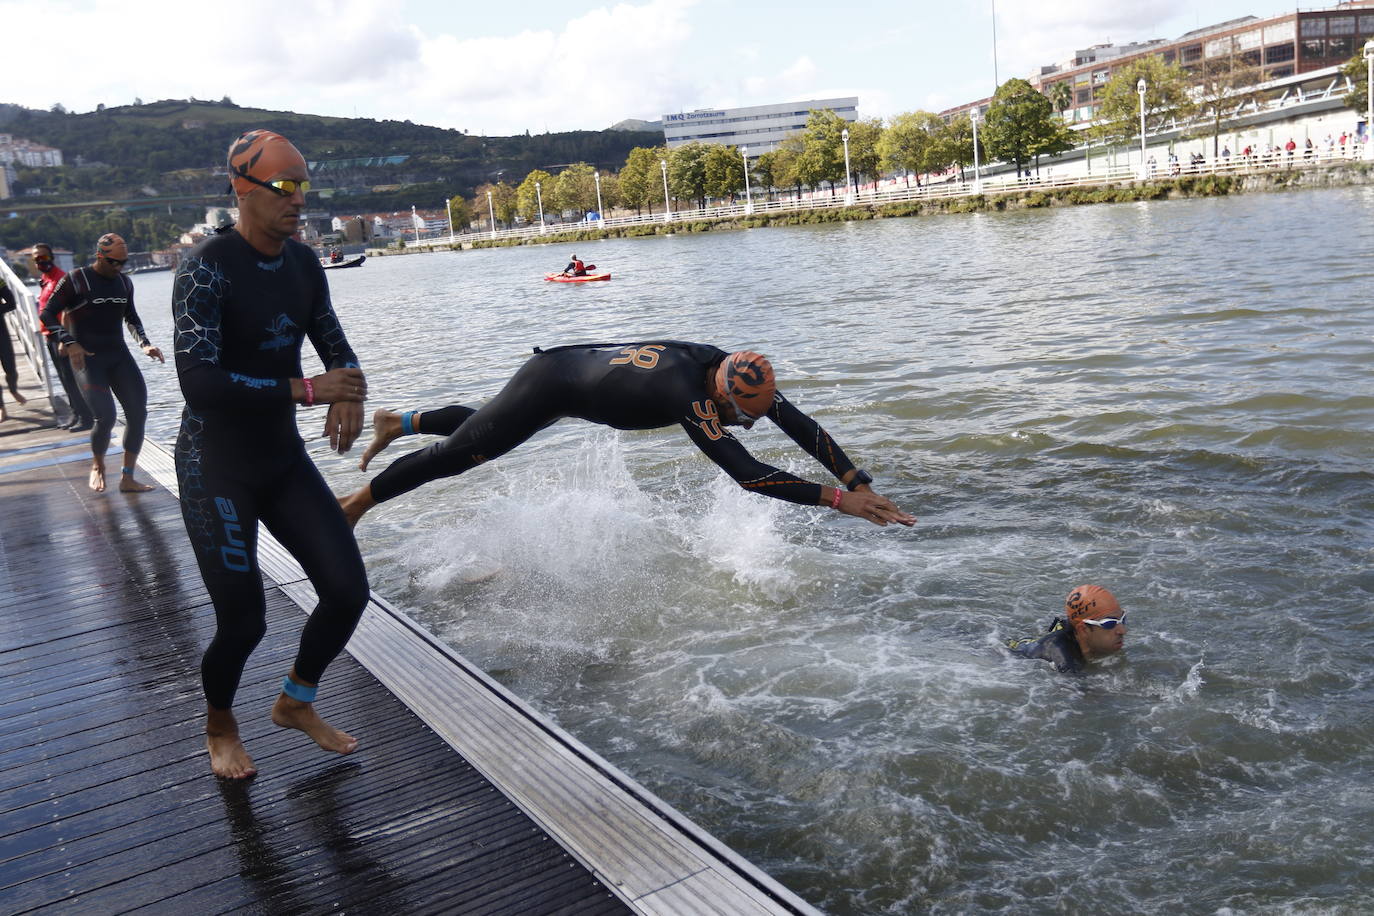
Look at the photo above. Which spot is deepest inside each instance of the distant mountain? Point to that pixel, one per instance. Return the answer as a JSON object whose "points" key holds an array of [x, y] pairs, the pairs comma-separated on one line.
{"points": [[637, 125]]}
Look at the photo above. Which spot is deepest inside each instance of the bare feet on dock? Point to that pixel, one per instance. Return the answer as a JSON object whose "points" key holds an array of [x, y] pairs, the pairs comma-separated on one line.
{"points": [[386, 429], [228, 757], [127, 484], [289, 713], [18, 398], [97, 481]]}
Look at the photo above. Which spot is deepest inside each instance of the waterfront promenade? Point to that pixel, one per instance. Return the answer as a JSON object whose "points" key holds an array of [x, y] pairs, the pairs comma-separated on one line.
{"points": [[460, 798]]}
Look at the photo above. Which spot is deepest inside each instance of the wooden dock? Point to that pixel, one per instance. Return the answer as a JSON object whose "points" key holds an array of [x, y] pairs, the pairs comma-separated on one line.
{"points": [[460, 799]]}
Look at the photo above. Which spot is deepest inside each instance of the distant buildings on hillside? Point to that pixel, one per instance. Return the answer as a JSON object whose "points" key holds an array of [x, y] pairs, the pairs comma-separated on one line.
{"points": [[1291, 43], [18, 151], [759, 127]]}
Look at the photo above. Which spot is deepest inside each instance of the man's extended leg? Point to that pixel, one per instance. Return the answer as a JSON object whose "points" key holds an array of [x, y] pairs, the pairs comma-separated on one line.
{"points": [[390, 425], [126, 381]]}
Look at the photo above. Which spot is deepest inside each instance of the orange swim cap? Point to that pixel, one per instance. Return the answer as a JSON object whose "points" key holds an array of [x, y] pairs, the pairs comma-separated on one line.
{"points": [[1089, 602], [745, 378], [111, 245], [261, 154]]}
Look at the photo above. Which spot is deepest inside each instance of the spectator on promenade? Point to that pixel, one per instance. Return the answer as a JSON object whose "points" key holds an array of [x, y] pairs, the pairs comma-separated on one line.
{"points": [[242, 303], [1309, 150], [1151, 164], [628, 386], [1226, 153], [11, 370], [1093, 627], [1289, 148], [95, 301], [49, 275]]}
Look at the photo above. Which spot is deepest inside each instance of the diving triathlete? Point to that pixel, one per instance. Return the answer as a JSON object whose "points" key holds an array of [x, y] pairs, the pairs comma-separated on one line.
{"points": [[575, 268], [1093, 627], [628, 386], [242, 302], [97, 300]]}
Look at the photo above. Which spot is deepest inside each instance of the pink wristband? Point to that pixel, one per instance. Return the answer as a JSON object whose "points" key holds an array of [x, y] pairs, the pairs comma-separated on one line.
{"points": [[309, 392], [835, 502]]}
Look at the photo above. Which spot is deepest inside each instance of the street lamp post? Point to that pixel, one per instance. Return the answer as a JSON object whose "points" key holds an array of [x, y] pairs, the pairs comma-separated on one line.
{"points": [[1369, 99], [491, 215], [748, 197], [539, 196], [977, 167], [667, 204], [1140, 88], [848, 184], [600, 214]]}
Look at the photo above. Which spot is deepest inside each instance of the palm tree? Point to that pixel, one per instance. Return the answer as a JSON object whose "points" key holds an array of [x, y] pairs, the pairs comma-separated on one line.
{"points": [[1061, 96]]}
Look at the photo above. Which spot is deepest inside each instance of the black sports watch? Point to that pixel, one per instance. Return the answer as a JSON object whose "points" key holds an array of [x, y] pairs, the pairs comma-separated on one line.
{"points": [[860, 478]]}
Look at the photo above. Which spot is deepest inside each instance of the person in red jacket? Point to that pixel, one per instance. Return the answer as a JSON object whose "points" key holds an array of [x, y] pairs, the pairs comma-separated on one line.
{"points": [[49, 275]]}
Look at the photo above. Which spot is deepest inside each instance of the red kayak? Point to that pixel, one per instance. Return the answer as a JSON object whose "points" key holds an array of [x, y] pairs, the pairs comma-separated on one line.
{"points": [[588, 278]]}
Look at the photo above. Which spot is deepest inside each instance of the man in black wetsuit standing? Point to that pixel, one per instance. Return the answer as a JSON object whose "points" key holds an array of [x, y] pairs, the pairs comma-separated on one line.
{"points": [[97, 300], [628, 386], [242, 303]]}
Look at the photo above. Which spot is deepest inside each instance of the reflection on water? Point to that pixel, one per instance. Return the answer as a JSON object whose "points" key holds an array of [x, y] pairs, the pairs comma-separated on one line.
{"points": [[1171, 398]]}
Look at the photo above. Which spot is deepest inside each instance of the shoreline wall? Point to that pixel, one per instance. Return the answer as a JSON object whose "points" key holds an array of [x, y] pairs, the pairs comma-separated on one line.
{"points": [[1343, 174]]}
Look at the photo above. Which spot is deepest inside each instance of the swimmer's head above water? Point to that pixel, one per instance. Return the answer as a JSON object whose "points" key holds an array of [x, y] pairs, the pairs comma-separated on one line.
{"points": [[1097, 619]]}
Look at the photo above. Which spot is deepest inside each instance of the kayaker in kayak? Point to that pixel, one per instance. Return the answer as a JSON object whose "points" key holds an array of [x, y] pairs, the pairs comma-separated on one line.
{"points": [[575, 268], [628, 386]]}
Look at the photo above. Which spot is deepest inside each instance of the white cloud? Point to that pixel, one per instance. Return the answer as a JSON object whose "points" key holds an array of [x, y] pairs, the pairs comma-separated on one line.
{"points": [[1033, 34]]}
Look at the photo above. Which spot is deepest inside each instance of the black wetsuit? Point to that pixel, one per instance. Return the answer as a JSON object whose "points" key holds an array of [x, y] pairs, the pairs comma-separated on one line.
{"points": [[1057, 645], [96, 306], [625, 386], [7, 364], [240, 318]]}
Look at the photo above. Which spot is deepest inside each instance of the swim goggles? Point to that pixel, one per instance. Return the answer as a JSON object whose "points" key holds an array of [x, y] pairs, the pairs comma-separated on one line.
{"points": [[283, 187], [1107, 623]]}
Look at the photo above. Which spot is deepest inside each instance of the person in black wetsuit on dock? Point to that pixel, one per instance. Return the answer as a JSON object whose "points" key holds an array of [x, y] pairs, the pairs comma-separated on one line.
{"points": [[242, 303], [1093, 627], [97, 300], [628, 386]]}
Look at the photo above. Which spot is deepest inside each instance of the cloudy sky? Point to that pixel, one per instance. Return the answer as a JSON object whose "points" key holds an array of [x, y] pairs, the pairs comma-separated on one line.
{"points": [[491, 68]]}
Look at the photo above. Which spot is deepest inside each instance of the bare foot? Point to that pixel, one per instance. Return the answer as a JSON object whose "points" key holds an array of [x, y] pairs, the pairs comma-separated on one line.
{"points": [[228, 757], [127, 484], [97, 481], [289, 713], [3, 415], [19, 398], [386, 429]]}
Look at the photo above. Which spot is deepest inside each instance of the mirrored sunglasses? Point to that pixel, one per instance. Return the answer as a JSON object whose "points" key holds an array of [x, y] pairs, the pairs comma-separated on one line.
{"points": [[282, 187], [1107, 623]]}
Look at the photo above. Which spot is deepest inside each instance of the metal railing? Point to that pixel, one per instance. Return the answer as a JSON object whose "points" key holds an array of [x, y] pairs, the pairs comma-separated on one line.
{"points": [[876, 195], [24, 322]]}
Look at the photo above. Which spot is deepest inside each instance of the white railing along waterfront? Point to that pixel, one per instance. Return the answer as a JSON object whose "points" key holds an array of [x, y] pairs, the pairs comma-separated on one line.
{"points": [[24, 321], [871, 195]]}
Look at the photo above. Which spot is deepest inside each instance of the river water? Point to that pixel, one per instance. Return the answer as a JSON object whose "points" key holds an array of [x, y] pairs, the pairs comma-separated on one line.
{"points": [[1173, 399]]}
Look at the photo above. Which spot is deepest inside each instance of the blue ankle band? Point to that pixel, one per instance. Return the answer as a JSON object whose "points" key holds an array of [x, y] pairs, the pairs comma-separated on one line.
{"points": [[408, 422], [128, 471], [298, 691]]}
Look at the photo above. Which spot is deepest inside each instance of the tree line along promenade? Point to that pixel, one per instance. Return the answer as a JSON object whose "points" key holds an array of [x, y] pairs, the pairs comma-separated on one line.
{"points": [[1225, 136]]}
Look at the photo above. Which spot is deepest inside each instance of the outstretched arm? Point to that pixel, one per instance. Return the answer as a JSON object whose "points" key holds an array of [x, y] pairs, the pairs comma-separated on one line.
{"points": [[753, 475]]}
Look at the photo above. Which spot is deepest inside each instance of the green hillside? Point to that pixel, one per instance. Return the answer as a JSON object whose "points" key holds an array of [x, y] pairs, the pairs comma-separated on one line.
{"points": [[175, 148]]}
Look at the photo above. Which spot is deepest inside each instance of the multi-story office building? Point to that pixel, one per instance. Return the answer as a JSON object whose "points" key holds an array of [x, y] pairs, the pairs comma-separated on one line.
{"points": [[1291, 43], [761, 127]]}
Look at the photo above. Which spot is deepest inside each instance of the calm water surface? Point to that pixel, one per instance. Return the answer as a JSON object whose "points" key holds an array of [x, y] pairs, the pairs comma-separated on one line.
{"points": [[1173, 399]]}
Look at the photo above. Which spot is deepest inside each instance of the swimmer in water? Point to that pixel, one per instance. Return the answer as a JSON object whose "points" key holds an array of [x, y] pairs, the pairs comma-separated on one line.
{"points": [[1093, 627]]}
